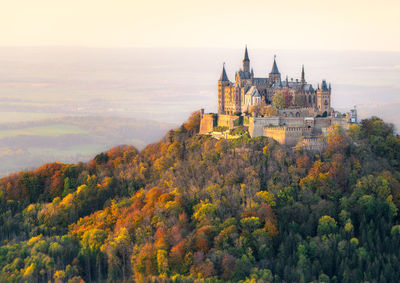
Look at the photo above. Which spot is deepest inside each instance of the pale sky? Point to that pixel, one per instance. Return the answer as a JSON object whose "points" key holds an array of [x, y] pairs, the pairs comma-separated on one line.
{"points": [[288, 24]]}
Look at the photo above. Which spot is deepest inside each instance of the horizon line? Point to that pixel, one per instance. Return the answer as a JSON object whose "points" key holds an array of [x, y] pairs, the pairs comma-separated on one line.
{"points": [[193, 47]]}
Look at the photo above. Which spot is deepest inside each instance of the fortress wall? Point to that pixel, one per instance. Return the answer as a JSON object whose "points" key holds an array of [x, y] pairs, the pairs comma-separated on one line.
{"points": [[302, 112], [294, 134], [286, 135], [322, 122], [312, 144], [292, 121], [340, 121], [226, 121], [207, 123], [277, 133], [257, 124]]}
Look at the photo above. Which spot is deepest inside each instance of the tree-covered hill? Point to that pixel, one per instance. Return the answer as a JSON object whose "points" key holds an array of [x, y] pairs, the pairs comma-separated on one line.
{"points": [[190, 208]]}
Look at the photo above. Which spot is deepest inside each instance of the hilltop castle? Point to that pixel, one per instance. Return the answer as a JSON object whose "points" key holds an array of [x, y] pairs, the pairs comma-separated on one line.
{"points": [[247, 90], [298, 112]]}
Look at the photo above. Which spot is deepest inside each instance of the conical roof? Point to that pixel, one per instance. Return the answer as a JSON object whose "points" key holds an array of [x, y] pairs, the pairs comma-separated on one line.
{"points": [[246, 55], [274, 67], [223, 77]]}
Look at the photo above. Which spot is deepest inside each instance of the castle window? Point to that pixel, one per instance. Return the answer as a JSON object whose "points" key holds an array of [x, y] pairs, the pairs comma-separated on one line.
{"points": [[326, 102], [314, 98], [291, 114], [297, 114], [309, 99]]}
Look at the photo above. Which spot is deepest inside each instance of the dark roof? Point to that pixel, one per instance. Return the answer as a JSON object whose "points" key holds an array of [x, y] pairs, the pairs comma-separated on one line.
{"points": [[290, 84], [308, 88], [223, 77], [246, 55], [244, 75], [324, 85], [260, 80], [274, 68]]}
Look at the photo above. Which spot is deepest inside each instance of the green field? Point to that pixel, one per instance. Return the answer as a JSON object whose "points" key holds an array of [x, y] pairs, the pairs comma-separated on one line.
{"points": [[15, 117], [47, 130]]}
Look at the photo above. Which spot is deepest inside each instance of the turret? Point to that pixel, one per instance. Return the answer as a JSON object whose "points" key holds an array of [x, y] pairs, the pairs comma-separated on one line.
{"points": [[223, 77], [324, 99], [223, 82], [246, 61], [274, 75]]}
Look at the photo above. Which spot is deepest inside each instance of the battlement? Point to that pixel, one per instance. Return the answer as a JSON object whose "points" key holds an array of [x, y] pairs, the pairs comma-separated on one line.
{"points": [[287, 135]]}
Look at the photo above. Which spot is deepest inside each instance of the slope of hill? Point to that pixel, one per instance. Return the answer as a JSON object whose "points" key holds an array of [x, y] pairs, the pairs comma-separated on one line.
{"points": [[193, 209]]}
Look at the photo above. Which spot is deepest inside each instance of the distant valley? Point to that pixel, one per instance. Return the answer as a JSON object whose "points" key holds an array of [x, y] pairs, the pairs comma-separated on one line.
{"points": [[25, 145]]}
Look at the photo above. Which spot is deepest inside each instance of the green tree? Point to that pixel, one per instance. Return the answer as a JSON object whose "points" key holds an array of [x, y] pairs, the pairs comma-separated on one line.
{"points": [[278, 100]]}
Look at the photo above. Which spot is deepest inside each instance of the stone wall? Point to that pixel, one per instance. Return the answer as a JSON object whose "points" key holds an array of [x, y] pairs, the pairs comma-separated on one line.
{"points": [[207, 123], [287, 135], [293, 134], [277, 133], [322, 122], [297, 112], [312, 143], [292, 122], [257, 124], [227, 121], [341, 122]]}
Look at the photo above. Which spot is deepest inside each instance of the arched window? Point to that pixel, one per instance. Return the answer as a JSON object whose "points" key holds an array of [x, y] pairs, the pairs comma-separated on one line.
{"points": [[309, 99], [314, 98], [297, 114], [326, 102], [291, 114]]}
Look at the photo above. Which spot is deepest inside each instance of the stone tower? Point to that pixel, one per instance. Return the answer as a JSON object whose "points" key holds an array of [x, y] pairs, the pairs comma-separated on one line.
{"points": [[246, 61], [274, 76], [324, 99], [223, 83]]}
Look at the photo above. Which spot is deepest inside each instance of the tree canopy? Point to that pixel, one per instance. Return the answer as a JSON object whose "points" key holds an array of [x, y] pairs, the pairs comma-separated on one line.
{"points": [[190, 208]]}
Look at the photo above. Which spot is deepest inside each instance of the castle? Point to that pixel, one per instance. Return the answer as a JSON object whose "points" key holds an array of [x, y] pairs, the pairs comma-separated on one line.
{"points": [[297, 113], [235, 98]]}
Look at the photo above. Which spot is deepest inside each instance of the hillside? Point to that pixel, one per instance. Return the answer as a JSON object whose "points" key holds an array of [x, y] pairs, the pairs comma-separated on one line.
{"points": [[191, 208]]}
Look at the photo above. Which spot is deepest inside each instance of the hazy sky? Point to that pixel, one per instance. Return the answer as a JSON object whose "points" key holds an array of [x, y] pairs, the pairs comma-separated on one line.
{"points": [[289, 24]]}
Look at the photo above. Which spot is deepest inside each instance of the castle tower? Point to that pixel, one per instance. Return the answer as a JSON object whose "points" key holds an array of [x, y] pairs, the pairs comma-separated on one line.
{"points": [[246, 61], [324, 99], [303, 77], [223, 83], [274, 76]]}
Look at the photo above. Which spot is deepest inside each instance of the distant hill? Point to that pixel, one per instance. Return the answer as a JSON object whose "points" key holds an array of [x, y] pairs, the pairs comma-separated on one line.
{"points": [[25, 145], [190, 208]]}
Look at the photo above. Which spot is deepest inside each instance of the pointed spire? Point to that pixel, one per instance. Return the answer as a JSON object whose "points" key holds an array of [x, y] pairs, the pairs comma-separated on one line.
{"points": [[246, 55], [223, 77], [303, 77], [275, 67]]}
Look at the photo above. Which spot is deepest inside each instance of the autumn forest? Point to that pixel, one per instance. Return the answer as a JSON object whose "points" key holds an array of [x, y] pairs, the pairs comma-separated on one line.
{"points": [[191, 208]]}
